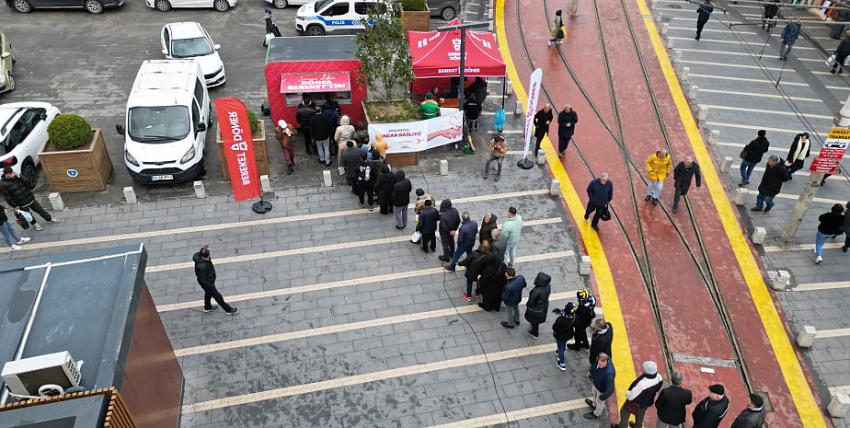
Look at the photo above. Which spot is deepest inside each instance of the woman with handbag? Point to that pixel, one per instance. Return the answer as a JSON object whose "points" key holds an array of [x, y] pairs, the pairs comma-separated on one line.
{"points": [[558, 30], [800, 150], [13, 241], [538, 303]]}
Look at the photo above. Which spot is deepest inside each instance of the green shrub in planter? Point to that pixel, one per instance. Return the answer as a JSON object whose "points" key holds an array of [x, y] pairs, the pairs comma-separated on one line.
{"points": [[255, 123], [413, 5], [68, 132]]}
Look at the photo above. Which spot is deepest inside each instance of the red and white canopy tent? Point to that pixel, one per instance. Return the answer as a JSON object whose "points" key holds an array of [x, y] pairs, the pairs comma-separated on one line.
{"points": [[436, 54]]}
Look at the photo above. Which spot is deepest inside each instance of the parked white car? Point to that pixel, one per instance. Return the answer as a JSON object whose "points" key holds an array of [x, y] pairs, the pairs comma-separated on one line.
{"points": [[280, 4], [23, 134], [185, 40], [166, 5]]}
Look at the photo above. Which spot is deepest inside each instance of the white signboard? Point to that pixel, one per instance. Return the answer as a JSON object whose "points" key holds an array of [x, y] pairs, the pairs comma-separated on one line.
{"points": [[531, 107], [406, 137]]}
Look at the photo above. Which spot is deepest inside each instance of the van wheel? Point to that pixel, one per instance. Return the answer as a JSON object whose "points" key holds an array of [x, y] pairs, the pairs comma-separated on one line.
{"points": [[203, 171], [22, 6], [12, 84], [315, 30], [163, 5], [94, 7], [221, 5], [29, 174], [448, 13], [281, 4]]}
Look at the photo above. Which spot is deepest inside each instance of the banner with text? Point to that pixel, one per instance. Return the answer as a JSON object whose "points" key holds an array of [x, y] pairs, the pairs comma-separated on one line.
{"points": [[531, 107], [406, 137], [832, 151], [235, 132]]}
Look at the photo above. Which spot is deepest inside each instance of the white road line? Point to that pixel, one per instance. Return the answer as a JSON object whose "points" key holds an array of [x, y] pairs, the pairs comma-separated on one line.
{"points": [[252, 223], [366, 378], [755, 127], [838, 88], [761, 169], [723, 64], [742, 79], [747, 54], [516, 415], [835, 332], [816, 286], [753, 94], [732, 42], [708, 30], [796, 197], [340, 328], [689, 19], [349, 282], [774, 149], [763, 111], [800, 247], [310, 250]]}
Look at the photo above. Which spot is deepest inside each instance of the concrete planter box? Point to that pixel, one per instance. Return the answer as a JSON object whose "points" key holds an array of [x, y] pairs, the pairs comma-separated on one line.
{"points": [[261, 152], [416, 20], [80, 170]]}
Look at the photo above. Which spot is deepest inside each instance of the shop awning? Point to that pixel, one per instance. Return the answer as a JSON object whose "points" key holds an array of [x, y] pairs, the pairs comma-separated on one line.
{"points": [[291, 83], [437, 53]]}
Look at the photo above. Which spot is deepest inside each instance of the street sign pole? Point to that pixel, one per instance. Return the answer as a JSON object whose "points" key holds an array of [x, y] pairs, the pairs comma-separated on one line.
{"points": [[789, 231]]}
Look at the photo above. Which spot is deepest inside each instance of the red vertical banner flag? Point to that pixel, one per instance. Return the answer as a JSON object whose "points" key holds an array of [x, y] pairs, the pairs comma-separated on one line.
{"points": [[235, 132]]}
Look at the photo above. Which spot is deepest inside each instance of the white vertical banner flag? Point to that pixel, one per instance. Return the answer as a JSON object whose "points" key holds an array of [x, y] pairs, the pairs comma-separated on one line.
{"points": [[531, 107]]}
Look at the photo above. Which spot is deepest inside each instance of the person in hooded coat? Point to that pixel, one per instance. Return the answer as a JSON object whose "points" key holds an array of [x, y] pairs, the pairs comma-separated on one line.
{"points": [[562, 329], [384, 189], [712, 409], [487, 226], [537, 305], [800, 150], [475, 264], [490, 284], [449, 222]]}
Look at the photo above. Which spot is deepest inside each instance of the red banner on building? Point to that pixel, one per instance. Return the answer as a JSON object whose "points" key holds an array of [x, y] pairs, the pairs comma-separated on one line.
{"points": [[295, 83], [235, 132]]}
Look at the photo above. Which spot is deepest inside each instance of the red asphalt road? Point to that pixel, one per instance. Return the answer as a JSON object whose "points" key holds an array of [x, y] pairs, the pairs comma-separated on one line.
{"points": [[691, 322]]}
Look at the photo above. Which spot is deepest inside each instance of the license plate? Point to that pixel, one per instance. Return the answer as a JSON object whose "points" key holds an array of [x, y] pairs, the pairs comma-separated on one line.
{"points": [[162, 177]]}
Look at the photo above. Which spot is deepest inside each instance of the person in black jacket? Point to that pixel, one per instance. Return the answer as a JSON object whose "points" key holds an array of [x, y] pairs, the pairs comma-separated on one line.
{"points": [[603, 337], [205, 273], [641, 395], [672, 403], [491, 282], [365, 183], [562, 329], [703, 14], [846, 228], [841, 53], [585, 312], [305, 111], [751, 155], [19, 195], [472, 110], [830, 224], [768, 17], [475, 265], [320, 131], [542, 119], [712, 409], [449, 222], [567, 120], [384, 189], [351, 162], [771, 183], [600, 192], [427, 226], [683, 174], [753, 415], [400, 199], [538, 303]]}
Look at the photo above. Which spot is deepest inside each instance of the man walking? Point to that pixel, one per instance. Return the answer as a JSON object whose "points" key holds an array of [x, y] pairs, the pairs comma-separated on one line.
{"points": [[658, 166], [400, 199], [511, 296], [19, 196], [585, 312], [542, 119], [712, 409], [511, 230], [562, 329], [602, 375], [10, 237], [465, 240], [600, 192], [427, 226], [684, 173], [753, 415], [449, 222], [703, 14], [567, 120], [841, 53], [205, 273], [771, 183], [320, 130], [789, 36], [498, 150], [640, 395], [672, 403], [751, 155]]}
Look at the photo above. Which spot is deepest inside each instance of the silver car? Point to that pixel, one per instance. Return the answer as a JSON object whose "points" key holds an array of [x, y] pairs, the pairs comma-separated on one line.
{"points": [[7, 63], [445, 9]]}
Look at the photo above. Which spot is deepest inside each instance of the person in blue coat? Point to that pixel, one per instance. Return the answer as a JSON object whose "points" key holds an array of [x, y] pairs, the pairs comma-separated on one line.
{"points": [[465, 240], [511, 296], [600, 192], [602, 376], [789, 36]]}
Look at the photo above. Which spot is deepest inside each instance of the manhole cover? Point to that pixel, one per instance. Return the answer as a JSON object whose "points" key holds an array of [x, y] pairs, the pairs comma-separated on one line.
{"points": [[666, 19]]}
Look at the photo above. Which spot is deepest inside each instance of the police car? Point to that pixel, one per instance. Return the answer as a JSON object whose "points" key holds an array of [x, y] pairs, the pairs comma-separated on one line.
{"points": [[335, 16]]}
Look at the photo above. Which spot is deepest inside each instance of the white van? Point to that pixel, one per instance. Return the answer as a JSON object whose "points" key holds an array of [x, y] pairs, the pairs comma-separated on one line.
{"points": [[335, 16], [168, 114]]}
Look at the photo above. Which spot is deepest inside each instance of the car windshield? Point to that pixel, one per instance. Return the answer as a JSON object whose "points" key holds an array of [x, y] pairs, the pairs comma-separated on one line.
{"points": [[185, 48], [321, 5], [158, 124]]}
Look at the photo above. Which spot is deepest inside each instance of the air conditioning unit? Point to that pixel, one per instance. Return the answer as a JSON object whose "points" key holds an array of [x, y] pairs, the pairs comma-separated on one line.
{"points": [[27, 376]]}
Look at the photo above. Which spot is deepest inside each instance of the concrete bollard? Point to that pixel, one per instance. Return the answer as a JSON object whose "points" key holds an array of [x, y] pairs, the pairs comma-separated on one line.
{"points": [[490, 13], [517, 108], [56, 201], [265, 184], [509, 88], [726, 164], [130, 196], [806, 336], [444, 167], [200, 191], [326, 175], [584, 266], [665, 27], [779, 279], [693, 91], [714, 137], [741, 196], [670, 43], [683, 74], [541, 157], [490, 26], [839, 405], [677, 56], [702, 113], [555, 187], [658, 17], [758, 235]]}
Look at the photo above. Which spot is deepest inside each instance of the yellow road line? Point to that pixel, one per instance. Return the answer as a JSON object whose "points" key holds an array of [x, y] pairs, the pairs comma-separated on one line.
{"points": [[516, 415], [365, 378], [795, 379], [349, 282], [309, 250], [340, 328], [601, 270]]}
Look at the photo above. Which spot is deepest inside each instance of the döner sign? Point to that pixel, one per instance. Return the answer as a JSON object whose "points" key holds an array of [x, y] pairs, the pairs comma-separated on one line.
{"points": [[236, 137]]}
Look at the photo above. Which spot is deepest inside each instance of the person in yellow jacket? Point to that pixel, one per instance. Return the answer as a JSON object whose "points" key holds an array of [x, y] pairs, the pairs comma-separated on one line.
{"points": [[658, 166]]}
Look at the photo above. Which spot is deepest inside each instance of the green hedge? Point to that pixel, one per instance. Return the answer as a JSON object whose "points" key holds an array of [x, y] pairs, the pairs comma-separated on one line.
{"points": [[255, 123], [413, 5], [68, 132]]}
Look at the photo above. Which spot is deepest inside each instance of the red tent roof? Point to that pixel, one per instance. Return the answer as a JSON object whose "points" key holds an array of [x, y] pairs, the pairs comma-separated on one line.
{"points": [[437, 53]]}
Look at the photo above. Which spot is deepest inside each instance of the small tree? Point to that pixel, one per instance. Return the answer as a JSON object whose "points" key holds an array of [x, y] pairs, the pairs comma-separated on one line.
{"points": [[382, 49]]}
